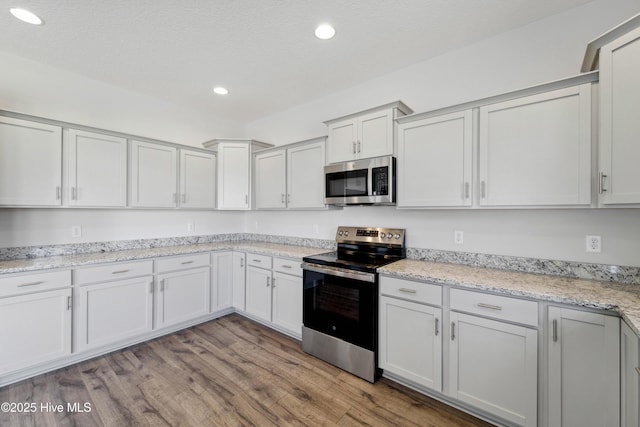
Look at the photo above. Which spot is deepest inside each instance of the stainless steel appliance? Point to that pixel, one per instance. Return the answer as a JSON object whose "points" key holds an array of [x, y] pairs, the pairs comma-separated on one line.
{"points": [[340, 298], [361, 182]]}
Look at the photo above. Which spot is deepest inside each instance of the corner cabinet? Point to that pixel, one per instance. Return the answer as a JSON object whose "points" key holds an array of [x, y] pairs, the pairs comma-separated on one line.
{"points": [[619, 176], [291, 177], [536, 150], [365, 134], [96, 169], [583, 368], [30, 163], [234, 171], [154, 175], [435, 155]]}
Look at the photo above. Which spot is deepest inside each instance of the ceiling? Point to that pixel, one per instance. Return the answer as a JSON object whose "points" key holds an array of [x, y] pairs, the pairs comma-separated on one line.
{"points": [[263, 51]]}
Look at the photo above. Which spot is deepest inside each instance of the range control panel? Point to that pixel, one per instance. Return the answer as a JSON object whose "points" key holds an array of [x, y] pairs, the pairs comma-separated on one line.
{"points": [[371, 235]]}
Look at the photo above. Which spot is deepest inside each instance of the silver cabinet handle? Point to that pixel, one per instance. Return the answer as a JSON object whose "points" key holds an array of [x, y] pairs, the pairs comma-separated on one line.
{"points": [[437, 327], [483, 189], [119, 271], [69, 303], [555, 330], [286, 266], [354, 147], [256, 260], [358, 146], [58, 195], [407, 291], [453, 331], [24, 285], [74, 193], [466, 190], [268, 281], [489, 306], [601, 179], [246, 199], [241, 262], [186, 262], [288, 198], [282, 200]]}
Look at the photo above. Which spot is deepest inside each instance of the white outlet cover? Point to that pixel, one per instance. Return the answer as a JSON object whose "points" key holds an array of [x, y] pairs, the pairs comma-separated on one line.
{"points": [[76, 231], [458, 237], [593, 244]]}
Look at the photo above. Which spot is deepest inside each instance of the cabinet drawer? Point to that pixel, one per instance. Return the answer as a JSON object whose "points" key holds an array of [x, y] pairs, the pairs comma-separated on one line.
{"points": [[424, 293], [261, 261], [288, 266], [497, 307], [183, 262], [106, 272], [25, 283]]}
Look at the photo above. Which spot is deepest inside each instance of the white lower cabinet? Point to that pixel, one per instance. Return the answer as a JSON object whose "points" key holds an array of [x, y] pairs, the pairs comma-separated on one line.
{"points": [[258, 291], [113, 311], [35, 328], [239, 273], [630, 377], [287, 295], [584, 368], [221, 280], [184, 294], [410, 332]]}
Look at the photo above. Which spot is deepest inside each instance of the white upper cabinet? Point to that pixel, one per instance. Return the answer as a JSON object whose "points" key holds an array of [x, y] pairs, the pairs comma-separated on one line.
{"points": [[154, 170], [30, 163], [96, 169], [435, 161], [366, 134], [619, 116], [234, 171], [197, 179], [291, 178], [270, 178], [536, 150]]}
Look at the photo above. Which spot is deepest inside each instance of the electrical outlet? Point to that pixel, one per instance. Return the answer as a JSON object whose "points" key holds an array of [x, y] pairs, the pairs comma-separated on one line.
{"points": [[76, 231], [594, 244], [191, 228], [316, 229], [458, 237]]}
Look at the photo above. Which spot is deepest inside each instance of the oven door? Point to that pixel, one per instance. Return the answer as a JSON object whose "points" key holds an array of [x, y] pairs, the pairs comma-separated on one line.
{"points": [[341, 303]]}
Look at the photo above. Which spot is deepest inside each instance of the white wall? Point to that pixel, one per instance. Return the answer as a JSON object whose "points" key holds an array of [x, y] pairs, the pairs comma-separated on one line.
{"points": [[546, 50], [37, 89]]}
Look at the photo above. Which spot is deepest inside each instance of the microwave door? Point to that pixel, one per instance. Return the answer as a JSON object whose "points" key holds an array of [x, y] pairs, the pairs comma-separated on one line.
{"points": [[356, 184]]}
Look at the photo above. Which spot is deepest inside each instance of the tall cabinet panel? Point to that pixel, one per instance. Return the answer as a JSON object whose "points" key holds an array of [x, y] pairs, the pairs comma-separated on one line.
{"points": [[619, 117], [536, 150], [96, 169], [30, 163], [435, 161], [154, 173]]}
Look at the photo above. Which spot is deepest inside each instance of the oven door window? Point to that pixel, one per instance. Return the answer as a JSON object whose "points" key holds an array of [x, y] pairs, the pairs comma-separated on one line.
{"points": [[340, 307], [349, 183]]}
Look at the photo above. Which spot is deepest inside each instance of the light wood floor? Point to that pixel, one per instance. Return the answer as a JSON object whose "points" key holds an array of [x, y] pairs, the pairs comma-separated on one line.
{"points": [[230, 371]]}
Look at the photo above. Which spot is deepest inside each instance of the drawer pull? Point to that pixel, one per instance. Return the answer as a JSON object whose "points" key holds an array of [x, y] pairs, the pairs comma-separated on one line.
{"points": [[555, 330], [286, 266], [24, 285], [119, 271], [437, 327], [453, 331], [256, 260], [407, 291], [186, 262], [489, 306]]}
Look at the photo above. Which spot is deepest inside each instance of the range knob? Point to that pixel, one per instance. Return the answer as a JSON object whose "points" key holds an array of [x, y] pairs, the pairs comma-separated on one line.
{"points": [[382, 235], [346, 233], [389, 236], [397, 236], [340, 232]]}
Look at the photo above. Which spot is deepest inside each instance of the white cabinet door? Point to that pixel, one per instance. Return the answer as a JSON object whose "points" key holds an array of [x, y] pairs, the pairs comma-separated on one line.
{"points": [[435, 161], [410, 344], [113, 311], [239, 260], [536, 150], [305, 176], [96, 169], [287, 302], [629, 377], [619, 116], [35, 328], [270, 180], [258, 293], [222, 280], [233, 176], [375, 134], [584, 368], [494, 367], [30, 163], [153, 175], [342, 142], [197, 179], [183, 295]]}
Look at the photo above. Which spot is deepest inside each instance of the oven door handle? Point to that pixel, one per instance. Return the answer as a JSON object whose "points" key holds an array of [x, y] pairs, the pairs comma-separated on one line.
{"points": [[340, 272]]}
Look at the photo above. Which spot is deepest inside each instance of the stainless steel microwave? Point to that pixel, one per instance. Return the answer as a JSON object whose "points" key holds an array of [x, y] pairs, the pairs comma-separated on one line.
{"points": [[361, 182]]}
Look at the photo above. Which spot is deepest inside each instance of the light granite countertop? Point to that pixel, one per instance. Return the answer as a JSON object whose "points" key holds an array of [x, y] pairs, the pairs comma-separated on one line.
{"points": [[72, 261], [621, 298]]}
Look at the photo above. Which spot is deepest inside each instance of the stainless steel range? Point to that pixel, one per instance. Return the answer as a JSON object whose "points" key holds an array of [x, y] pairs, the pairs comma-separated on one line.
{"points": [[340, 311]]}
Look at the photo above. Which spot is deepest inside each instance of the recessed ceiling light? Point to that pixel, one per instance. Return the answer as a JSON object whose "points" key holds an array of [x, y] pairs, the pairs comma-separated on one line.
{"points": [[220, 90], [26, 16], [325, 32]]}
